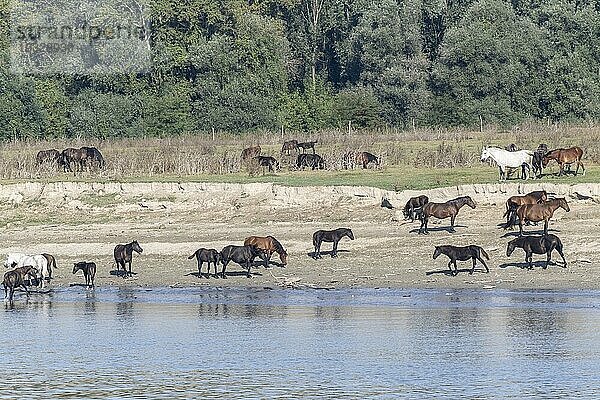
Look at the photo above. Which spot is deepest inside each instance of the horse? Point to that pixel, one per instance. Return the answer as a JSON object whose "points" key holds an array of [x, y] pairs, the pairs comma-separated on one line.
{"points": [[14, 279], [540, 212], [565, 157], [538, 245], [124, 253], [77, 157], [206, 256], [89, 271], [242, 255], [455, 253], [38, 261], [289, 146], [538, 196], [444, 210], [511, 147], [312, 161], [269, 245], [507, 159], [93, 157], [307, 145], [250, 152], [414, 206], [330, 236], [51, 263], [47, 157], [270, 162], [364, 158]]}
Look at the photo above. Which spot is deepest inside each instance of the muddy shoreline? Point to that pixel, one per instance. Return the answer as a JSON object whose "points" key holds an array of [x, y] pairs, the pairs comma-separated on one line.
{"points": [[84, 221]]}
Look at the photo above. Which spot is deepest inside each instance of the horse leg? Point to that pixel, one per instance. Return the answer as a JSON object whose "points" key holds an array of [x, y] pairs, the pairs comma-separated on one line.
{"points": [[200, 268], [452, 230], [318, 249], [223, 270], [334, 249], [487, 270], [473, 269], [455, 268], [562, 256], [546, 227], [520, 226], [548, 258], [450, 267], [248, 266], [130, 274]]}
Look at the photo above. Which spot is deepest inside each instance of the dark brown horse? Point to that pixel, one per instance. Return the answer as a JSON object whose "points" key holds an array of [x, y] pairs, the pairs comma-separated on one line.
{"points": [[540, 212], [448, 209], [513, 202], [47, 157], [206, 256], [307, 145], [289, 146], [414, 206], [455, 253], [365, 158], [14, 279], [242, 255], [250, 153], [330, 236], [93, 158], [269, 245], [565, 157], [89, 271], [73, 157], [124, 253], [538, 245]]}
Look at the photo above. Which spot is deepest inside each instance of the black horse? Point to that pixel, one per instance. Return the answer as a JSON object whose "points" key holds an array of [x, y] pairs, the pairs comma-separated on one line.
{"points": [[93, 157], [330, 236], [538, 245], [242, 255], [414, 206], [89, 271], [124, 253], [206, 256], [307, 145], [455, 253], [266, 161], [312, 161]]}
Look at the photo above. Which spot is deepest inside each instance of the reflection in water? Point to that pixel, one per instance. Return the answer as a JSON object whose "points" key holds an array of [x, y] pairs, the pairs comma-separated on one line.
{"points": [[161, 343]]}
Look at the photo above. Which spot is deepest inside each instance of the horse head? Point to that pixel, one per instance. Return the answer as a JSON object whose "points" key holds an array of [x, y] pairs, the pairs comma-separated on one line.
{"points": [[485, 154], [349, 234], [469, 201], [437, 252], [283, 257], [562, 203], [136, 247], [512, 245]]}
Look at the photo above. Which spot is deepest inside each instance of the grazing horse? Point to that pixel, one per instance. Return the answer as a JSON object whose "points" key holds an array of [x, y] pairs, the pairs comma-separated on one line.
{"points": [[444, 210], [93, 157], [242, 255], [14, 279], [124, 253], [270, 162], [535, 197], [289, 146], [540, 212], [89, 271], [455, 253], [307, 145], [330, 236], [414, 206], [565, 157], [312, 161], [47, 157], [507, 159], [206, 256], [538, 245], [269, 245], [77, 157], [250, 152], [511, 147], [364, 158]]}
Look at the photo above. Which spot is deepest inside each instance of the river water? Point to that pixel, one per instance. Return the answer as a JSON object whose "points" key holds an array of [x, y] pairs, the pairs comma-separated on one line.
{"points": [[247, 343]]}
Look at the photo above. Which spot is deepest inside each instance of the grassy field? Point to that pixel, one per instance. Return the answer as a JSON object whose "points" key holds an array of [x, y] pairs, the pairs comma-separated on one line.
{"points": [[411, 160]]}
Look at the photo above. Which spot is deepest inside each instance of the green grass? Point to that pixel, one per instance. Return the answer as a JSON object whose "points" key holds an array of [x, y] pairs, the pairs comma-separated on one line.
{"points": [[389, 178]]}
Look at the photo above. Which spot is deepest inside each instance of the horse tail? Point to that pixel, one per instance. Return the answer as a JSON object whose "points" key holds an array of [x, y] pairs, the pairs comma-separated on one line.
{"points": [[315, 235], [193, 255], [484, 253]]}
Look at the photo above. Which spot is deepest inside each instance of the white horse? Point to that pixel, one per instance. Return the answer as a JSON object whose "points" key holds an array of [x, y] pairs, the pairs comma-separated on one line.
{"points": [[508, 159], [37, 261]]}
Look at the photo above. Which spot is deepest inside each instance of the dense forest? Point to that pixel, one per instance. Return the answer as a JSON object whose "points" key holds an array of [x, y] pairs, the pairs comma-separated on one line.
{"points": [[243, 65]]}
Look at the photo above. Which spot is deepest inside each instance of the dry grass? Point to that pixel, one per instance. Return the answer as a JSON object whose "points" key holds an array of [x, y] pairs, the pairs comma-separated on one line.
{"points": [[201, 155]]}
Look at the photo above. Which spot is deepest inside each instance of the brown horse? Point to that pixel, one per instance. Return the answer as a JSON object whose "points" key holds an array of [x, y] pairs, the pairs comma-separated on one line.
{"points": [[289, 146], [565, 157], [365, 158], [47, 157], [269, 245], [250, 153], [540, 212], [444, 210], [77, 157], [124, 253], [535, 197]]}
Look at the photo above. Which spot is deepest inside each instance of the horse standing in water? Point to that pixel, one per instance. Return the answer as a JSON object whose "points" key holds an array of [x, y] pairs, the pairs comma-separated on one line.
{"points": [[565, 157], [330, 236], [124, 253], [455, 253], [540, 212], [269, 245], [508, 159], [444, 210], [538, 245], [14, 279], [89, 271]]}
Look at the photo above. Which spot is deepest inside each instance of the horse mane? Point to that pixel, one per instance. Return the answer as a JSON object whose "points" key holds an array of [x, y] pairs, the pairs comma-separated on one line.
{"points": [[458, 199], [278, 247]]}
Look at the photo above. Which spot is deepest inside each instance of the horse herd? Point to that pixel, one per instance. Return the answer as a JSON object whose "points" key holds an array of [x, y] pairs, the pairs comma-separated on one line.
{"points": [[72, 159], [511, 159], [304, 159], [533, 207]]}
